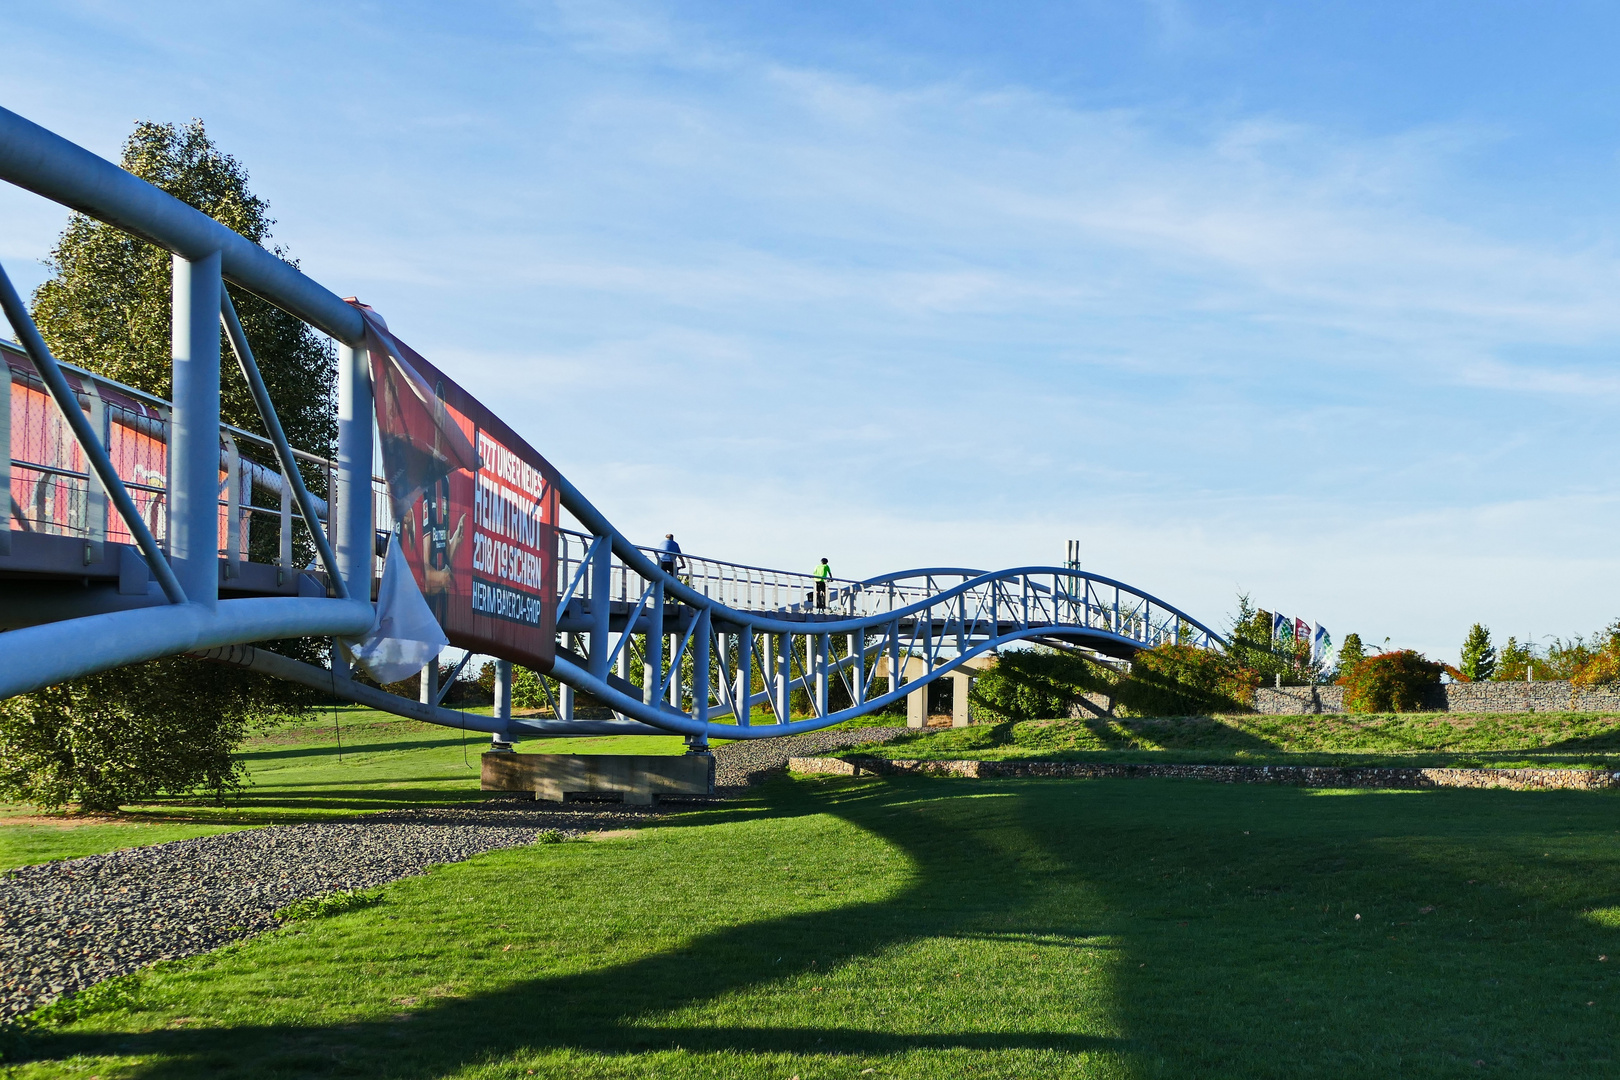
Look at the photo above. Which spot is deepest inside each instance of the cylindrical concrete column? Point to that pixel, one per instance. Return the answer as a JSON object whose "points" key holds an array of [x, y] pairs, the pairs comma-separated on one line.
{"points": [[193, 481], [823, 659], [349, 521]]}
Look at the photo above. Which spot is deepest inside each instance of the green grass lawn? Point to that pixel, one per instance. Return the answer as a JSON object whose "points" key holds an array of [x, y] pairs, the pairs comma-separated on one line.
{"points": [[1502, 740], [296, 772], [934, 928]]}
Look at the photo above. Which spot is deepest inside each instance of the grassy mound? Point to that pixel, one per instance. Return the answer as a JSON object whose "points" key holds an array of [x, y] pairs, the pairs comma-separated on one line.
{"points": [[1540, 740]]}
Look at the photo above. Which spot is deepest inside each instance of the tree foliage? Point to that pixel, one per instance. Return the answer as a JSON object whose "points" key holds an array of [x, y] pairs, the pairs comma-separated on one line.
{"points": [[1183, 680], [1478, 654], [1602, 668], [1514, 662], [163, 727], [1038, 684], [106, 306], [1398, 681], [1251, 644], [1168, 680], [1351, 652], [166, 726]]}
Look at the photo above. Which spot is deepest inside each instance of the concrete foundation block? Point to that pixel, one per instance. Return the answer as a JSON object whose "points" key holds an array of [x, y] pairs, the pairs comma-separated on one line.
{"points": [[637, 779]]}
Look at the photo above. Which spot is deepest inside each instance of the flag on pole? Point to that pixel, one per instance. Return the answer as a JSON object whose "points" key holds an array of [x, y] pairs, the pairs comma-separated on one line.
{"points": [[1302, 632], [1322, 645], [1281, 626]]}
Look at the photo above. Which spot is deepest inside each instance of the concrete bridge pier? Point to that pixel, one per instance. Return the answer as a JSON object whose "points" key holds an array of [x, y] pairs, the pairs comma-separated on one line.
{"points": [[961, 682]]}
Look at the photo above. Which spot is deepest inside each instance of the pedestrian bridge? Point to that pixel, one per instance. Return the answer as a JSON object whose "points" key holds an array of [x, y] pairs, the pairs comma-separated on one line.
{"points": [[138, 528]]}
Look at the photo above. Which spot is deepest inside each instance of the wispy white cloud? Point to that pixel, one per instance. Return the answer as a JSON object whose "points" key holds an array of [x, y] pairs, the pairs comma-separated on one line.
{"points": [[792, 310]]}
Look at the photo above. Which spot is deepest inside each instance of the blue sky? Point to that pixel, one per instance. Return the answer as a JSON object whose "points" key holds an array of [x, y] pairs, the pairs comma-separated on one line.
{"points": [[1315, 300]]}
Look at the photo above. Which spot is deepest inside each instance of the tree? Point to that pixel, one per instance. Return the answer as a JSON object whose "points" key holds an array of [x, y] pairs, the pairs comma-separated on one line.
{"points": [[1603, 667], [106, 306], [1038, 684], [117, 737], [168, 725], [1514, 663], [1251, 644], [1398, 681], [1183, 680], [1351, 653], [1478, 654]]}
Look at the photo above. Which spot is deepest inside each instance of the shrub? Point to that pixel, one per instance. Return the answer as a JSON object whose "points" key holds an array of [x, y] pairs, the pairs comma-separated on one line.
{"points": [[122, 736], [1602, 668], [1390, 682], [528, 691], [336, 903], [1038, 684], [1183, 680]]}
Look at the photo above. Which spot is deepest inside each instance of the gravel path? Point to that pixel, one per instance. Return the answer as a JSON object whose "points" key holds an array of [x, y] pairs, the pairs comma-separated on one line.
{"points": [[66, 925], [738, 764]]}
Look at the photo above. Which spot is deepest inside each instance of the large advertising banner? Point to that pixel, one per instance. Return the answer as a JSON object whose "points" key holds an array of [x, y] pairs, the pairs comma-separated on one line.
{"points": [[475, 506]]}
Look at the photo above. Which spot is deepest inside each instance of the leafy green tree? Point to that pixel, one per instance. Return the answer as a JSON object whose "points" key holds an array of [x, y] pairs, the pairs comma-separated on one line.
{"points": [[168, 725], [1250, 643], [1514, 662], [106, 306], [106, 740], [1351, 653], [1182, 680], [1478, 654], [1038, 684]]}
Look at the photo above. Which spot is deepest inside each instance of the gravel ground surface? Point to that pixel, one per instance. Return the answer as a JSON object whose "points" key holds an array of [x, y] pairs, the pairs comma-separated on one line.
{"points": [[738, 764], [66, 925]]}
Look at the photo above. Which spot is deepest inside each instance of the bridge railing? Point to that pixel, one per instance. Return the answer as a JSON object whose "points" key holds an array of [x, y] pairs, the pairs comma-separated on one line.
{"points": [[736, 585], [54, 492]]}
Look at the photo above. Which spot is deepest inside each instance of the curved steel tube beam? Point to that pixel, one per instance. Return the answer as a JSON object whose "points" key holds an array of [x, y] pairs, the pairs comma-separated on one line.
{"points": [[680, 723], [284, 667], [39, 656], [45, 163], [632, 557]]}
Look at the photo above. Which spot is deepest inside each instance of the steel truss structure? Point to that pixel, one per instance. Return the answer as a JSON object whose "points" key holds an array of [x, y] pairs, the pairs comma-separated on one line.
{"points": [[138, 528]]}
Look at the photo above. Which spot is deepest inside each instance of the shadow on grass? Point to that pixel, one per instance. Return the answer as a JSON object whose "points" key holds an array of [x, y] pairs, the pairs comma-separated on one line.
{"points": [[960, 888], [359, 748], [1257, 931]]}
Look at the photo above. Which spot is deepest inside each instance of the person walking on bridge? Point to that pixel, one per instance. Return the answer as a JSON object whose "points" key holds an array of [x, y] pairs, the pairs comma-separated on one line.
{"points": [[669, 555], [823, 574]]}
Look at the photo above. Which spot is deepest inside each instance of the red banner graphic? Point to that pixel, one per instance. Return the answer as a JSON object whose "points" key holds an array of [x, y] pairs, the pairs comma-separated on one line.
{"points": [[475, 504]]}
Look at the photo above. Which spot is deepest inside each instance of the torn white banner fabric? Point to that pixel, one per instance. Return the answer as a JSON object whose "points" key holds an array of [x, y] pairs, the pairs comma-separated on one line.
{"points": [[405, 635]]}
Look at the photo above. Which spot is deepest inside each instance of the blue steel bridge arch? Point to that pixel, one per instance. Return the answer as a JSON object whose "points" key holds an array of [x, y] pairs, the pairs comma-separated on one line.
{"points": [[709, 644]]}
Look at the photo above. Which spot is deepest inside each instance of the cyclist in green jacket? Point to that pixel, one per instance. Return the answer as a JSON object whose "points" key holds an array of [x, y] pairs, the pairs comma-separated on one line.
{"points": [[823, 573]]}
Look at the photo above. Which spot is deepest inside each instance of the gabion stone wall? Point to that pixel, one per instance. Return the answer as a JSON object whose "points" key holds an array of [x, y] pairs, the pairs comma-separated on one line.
{"points": [[1485, 697]]}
